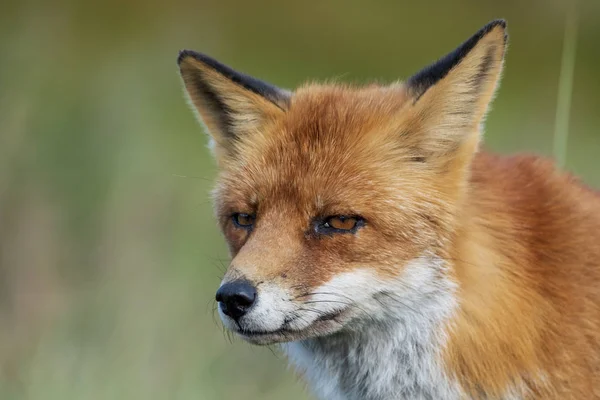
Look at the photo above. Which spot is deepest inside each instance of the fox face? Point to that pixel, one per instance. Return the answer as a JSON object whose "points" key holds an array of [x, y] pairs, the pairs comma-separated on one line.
{"points": [[338, 203]]}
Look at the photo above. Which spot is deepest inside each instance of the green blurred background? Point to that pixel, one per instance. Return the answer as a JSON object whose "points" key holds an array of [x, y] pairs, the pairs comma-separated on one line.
{"points": [[109, 253]]}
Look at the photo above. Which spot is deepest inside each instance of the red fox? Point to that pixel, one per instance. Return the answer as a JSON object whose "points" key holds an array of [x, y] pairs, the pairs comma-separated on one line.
{"points": [[388, 254]]}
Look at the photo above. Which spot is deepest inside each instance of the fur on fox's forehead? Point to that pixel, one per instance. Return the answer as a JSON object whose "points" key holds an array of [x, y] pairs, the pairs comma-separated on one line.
{"points": [[329, 133], [334, 115]]}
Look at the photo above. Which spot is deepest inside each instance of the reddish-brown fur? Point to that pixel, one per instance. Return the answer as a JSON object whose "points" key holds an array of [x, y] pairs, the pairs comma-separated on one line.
{"points": [[522, 239], [527, 259]]}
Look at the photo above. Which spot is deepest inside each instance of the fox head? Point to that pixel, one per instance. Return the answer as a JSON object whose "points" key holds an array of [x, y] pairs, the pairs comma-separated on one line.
{"points": [[339, 203]]}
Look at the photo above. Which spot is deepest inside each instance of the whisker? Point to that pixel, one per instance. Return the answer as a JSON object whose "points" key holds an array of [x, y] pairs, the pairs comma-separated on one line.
{"points": [[397, 300], [214, 318], [327, 302], [297, 316], [273, 352], [310, 310], [324, 293], [349, 305]]}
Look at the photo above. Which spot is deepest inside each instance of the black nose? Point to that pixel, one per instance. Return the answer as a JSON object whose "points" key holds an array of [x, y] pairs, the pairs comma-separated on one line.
{"points": [[236, 298]]}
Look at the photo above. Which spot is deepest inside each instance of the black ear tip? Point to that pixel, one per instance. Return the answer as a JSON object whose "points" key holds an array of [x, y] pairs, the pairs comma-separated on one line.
{"points": [[497, 22], [430, 75], [492, 25], [183, 54], [206, 60]]}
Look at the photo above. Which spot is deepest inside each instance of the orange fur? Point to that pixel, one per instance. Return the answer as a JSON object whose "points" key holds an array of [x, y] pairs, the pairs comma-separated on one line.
{"points": [[527, 259], [522, 239]]}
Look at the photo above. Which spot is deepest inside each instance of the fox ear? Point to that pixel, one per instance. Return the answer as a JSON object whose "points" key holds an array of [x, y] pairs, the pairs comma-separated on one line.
{"points": [[229, 103], [450, 97]]}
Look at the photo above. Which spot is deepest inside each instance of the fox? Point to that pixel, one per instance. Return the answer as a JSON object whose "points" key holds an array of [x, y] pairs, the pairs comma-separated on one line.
{"points": [[385, 250]]}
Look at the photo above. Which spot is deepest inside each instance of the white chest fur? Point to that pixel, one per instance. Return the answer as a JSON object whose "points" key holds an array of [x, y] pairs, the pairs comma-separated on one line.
{"points": [[396, 354]]}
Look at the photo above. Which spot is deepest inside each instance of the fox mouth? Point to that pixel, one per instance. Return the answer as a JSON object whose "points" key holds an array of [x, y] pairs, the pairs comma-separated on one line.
{"points": [[325, 324]]}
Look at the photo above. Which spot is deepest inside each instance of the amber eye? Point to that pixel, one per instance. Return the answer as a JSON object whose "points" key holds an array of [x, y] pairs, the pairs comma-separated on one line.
{"points": [[339, 224], [243, 220]]}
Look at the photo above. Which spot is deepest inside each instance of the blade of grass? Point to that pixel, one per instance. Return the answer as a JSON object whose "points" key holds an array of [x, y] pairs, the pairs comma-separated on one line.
{"points": [[565, 87]]}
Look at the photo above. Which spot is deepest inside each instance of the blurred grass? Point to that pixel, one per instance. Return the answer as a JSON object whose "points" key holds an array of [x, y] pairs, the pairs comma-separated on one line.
{"points": [[108, 259], [565, 86]]}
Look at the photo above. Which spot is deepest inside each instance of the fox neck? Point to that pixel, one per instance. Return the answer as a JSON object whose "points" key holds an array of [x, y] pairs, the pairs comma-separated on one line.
{"points": [[499, 309]]}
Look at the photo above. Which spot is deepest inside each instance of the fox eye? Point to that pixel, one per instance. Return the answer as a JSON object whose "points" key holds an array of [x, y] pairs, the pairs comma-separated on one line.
{"points": [[339, 224], [243, 220]]}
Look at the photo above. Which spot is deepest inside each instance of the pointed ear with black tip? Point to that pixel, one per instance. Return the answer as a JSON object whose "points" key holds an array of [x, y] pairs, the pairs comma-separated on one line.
{"points": [[229, 103], [449, 99]]}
